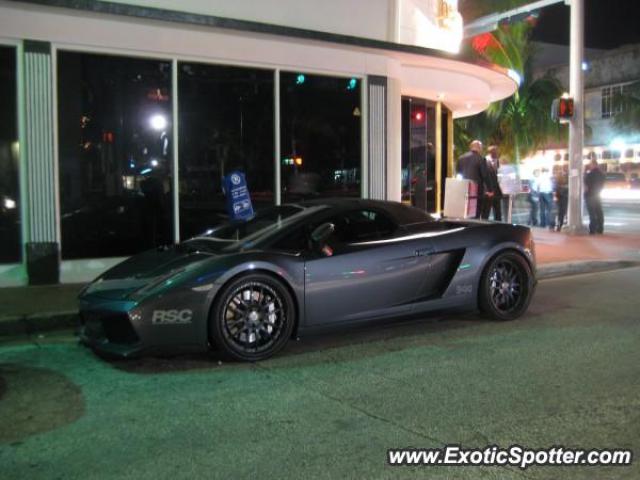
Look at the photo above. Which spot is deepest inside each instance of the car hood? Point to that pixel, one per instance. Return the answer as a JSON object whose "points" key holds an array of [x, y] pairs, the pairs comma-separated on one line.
{"points": [[143, 272]]}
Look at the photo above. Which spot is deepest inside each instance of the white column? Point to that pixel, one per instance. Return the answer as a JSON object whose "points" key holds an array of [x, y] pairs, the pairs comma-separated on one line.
{"points": [[364, 138], [277, 155], [438, 147], [175, 153], [394, 140], [576, 127]]}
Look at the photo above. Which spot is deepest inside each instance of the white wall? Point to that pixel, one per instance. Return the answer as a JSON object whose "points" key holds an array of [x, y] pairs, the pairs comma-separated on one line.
{"points": [[361, 18], [86, 31], [411, 22]]}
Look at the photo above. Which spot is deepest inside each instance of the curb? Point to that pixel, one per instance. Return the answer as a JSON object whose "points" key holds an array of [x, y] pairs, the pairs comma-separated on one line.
{"points": [[37, 323], [47, 322], [564, 269]]}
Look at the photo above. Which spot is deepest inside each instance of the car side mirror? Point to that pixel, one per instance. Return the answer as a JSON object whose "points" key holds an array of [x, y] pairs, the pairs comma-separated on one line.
{"points": [[321, 234]]}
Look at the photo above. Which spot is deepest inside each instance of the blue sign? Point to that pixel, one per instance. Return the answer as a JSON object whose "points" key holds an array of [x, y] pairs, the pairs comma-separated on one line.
{"points": [[237, 196]]}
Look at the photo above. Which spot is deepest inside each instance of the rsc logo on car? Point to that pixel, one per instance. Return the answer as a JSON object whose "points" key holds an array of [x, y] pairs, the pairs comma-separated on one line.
{"points": [[171, 317]]}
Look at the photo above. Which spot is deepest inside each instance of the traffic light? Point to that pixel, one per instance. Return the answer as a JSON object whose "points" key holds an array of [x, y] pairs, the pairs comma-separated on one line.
{"points": [[562, 109], [565, 108]]}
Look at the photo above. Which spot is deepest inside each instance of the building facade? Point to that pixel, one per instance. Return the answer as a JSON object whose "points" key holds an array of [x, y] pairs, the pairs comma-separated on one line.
{"points": [[122, 117], [607, 73]]}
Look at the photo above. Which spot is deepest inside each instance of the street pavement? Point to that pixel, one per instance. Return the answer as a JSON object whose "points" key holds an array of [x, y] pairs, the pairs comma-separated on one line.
{"points": [[621, 217], [567, 373]]}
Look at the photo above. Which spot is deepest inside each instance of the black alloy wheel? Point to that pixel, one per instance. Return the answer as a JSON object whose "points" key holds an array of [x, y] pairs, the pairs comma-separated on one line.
{"points": [[253, 318], [506, 287]]}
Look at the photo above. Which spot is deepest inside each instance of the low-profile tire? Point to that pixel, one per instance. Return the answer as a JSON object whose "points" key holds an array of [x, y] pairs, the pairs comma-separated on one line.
{"points": [[252, 318], [506, 287]]}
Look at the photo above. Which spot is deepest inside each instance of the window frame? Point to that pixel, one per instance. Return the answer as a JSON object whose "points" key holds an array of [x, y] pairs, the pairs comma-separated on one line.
{"points": [[18, 49], [364, 126], [57, 48]]}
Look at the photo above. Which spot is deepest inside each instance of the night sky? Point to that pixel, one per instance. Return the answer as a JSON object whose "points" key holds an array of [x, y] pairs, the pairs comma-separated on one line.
{"points": [[608, 23]]}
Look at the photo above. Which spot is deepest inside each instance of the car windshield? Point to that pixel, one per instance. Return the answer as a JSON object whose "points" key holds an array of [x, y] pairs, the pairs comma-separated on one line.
{"points": [[235, 235]]}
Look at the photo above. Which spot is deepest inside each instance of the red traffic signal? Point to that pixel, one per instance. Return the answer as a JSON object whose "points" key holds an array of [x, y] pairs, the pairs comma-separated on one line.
{"points": [[565, 108]]}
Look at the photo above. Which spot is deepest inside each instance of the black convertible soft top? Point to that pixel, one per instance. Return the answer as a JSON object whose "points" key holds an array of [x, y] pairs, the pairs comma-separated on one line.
{"points": [[402, 214]]}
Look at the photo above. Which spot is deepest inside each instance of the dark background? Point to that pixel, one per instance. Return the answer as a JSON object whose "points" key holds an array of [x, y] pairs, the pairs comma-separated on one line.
{"points": [[608, 23]]}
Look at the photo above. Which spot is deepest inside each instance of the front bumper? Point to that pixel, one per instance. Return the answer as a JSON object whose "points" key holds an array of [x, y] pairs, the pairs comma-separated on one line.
{"points": [[165, 323], [109, 332]]}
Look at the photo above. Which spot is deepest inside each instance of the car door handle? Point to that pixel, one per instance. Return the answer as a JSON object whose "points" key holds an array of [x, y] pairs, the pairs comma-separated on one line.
{"points": [[422, 252]]}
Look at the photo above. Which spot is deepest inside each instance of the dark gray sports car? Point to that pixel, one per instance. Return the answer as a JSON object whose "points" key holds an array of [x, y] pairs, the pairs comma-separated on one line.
{"points": [[247, 288]]}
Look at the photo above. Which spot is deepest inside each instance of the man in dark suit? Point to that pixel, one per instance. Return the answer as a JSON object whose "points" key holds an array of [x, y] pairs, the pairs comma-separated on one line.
{"points": [[593, 185], [492, 198], [472, 166]]}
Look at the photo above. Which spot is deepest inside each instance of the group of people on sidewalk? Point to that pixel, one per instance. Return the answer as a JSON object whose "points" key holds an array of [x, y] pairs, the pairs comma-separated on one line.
{"points": [[548, 199], [548, 194]]}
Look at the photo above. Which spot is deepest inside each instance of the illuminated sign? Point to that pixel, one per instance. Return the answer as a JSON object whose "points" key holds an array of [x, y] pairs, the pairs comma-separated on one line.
{"points": [[430, 23]]}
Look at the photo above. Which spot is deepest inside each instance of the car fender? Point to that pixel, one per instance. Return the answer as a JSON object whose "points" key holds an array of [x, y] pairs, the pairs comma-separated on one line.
{"points": [[466, 281]]}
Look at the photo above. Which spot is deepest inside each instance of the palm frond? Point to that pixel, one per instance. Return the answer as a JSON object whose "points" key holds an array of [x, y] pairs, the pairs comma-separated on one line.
{"points": [[522, 123]]}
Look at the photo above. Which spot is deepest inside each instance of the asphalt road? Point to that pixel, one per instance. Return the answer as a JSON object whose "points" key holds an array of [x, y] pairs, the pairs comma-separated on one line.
{"points": [[621, 217], [329, 407]]}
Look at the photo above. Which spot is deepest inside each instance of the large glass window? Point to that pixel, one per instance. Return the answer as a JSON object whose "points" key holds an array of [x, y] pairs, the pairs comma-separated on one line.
{"points": [[418, 153], [226, 123], [9, 182], [320, 136], [115, 154]]}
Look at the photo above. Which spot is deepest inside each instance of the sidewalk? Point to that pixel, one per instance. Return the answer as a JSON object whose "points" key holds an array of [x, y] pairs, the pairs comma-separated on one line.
{"points": [[29, 310], [559, 254]]}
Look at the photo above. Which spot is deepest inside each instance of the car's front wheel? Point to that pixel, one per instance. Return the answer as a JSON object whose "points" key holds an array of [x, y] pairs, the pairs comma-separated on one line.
{"points": [[506, 287], [252, 318]]}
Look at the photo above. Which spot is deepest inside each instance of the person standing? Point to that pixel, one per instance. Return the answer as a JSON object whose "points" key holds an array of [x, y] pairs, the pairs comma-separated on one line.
{"points": [[472, 166], [492, 199], [562, 197], [545, 191], [534, 199], [593, 184]]}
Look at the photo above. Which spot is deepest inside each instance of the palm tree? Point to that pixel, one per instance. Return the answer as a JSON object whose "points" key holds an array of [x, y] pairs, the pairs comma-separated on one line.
{"points": [[522, 123]]}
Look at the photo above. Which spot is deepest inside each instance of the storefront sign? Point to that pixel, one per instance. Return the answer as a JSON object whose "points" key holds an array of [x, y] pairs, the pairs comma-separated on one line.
{"points": [[238, 200]]}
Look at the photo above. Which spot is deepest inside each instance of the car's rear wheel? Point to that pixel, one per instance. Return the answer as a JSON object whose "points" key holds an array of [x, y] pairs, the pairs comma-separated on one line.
{"points": [[252, 318], [506, 287]]}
